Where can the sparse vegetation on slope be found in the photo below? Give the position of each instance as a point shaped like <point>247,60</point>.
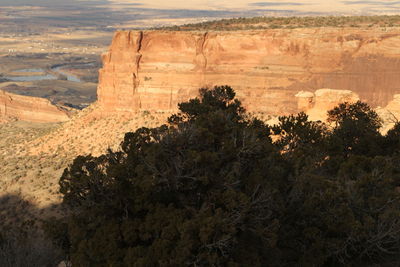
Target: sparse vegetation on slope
<point>24,175</point>
<point>257,23</point>
<point>33,157</point>
<point>28,193</point>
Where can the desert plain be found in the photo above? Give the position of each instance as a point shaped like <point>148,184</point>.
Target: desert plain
<point>53,51</point>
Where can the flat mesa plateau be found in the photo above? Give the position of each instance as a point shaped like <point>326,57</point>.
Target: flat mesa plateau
<point>143,75</point>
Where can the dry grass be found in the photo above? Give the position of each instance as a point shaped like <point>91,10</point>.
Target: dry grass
<point>33,157</point>
<point>24,176</point>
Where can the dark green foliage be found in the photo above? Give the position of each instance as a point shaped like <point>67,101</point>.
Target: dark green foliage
<point>302,141</point>
<point>211,189</point>
<point>201,191</point>
<point>392,140</point>
<point>358,114</point>
<point>355,132</point>
<point>343,207</point>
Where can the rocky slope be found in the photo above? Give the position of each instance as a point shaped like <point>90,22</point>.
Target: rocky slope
<point>28,108</point>
<point>155,70</point>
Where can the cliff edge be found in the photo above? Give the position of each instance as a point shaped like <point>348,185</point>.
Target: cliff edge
<point>155,70</point>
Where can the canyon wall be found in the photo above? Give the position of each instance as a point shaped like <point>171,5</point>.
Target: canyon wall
<point>28,108</point>
<point>155,70</point>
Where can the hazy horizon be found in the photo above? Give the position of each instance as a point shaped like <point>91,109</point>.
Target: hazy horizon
<point>235,7</point>
<point>301,7</point>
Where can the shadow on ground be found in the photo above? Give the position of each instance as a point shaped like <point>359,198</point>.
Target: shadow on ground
<point>22,242</point>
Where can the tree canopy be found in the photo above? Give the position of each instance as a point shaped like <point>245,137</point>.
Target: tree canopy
<point>210,188</point>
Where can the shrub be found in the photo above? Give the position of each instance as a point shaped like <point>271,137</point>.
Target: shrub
<point>210,188</point>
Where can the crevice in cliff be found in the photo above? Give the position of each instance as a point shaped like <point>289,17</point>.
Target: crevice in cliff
<point>137,63</point>
<point>205,37</point>
<point>139,42</point>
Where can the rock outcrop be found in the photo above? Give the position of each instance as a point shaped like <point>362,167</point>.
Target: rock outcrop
<point>390,114</point>
<point>317,104</point>
<point>27,108</point>
<point>155,70</point>
<point>305,100</point>
<point>393,108</point>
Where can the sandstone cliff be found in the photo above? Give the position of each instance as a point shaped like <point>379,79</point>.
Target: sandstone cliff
<point>28,108</point>
<point>155,70</point>
<point>317,104</point>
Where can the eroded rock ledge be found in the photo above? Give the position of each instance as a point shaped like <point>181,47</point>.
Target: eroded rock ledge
<point>27,108</point>
<point>317,104</point>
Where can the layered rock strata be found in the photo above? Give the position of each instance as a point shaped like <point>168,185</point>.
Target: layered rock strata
<point>28,108</point>
<point>155,70</point>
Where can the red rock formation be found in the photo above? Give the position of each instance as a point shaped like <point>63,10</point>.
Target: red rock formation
<point>28,108</point>
<point>317,104</point>
<point>155,70</point>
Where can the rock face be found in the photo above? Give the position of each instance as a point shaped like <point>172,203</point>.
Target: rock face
<point>28,108</point>
<point>155,70</point>
<point>317,104</point>
<point>390,114</point>
<point>305,100</point>
<point>394,107</point>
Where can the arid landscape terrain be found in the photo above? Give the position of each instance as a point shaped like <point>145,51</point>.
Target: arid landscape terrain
<point>74,78</point>
<point>51,49</point>
<point>145,74</point>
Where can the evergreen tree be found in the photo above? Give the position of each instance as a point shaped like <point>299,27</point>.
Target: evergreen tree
<point>200,191</point>
<point>210,188</point>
